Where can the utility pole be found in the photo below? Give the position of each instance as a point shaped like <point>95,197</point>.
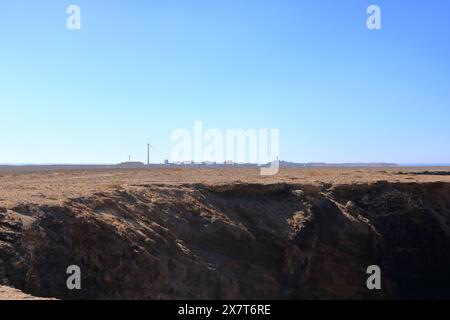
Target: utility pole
<point>149,146</point>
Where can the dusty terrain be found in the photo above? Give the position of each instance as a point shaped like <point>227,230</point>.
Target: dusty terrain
<point>55,186</point>
<point>226,234</point>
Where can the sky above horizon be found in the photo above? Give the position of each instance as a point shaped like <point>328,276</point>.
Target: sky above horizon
<point>138,70</point>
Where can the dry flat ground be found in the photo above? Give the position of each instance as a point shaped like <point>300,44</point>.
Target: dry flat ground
<point>41,186</point>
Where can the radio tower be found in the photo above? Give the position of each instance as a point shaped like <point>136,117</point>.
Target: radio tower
<point>148,153</point>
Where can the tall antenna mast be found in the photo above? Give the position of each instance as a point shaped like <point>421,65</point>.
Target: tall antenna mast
<point>149,145</point>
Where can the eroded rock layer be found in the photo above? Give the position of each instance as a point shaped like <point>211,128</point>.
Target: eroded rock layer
<point>237,241</point>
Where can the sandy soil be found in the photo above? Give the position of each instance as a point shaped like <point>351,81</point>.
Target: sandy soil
<point>8,293</point>
<point>41,186</point>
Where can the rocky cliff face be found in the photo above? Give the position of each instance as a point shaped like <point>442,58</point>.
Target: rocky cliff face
<point>236,241</point>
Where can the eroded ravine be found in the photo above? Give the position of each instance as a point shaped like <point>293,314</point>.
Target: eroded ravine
<point>238,241</point>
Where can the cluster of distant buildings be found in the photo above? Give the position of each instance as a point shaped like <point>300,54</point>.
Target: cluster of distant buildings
<point>229,163</point>
<point>167,163</point>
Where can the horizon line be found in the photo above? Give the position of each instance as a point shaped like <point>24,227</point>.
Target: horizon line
<point>211,163</point>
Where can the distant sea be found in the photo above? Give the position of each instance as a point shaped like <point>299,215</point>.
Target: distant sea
<point>424,164</point>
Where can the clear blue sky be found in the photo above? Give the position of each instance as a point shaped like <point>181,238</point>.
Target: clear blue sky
<point>137,70</point>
